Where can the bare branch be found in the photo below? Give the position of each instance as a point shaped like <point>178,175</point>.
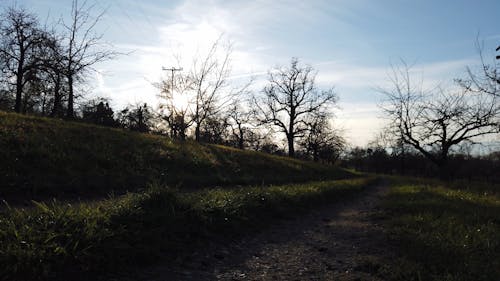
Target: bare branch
<point>290,98</point>
<point>432,121</point>
<point>83,47</point>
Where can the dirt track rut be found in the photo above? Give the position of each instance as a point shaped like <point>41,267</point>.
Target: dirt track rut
<point>338,242</point>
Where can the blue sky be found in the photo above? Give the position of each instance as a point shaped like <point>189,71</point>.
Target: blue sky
<point>351,43</point>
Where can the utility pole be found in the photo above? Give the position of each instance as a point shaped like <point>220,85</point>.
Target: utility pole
<point>172,70</point>
<point>176,128</point>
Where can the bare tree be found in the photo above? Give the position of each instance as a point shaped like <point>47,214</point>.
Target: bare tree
<point>54,73</point>
<point>138,117</point>
<point>201,86</point>
<point>83,47</point>
<point>433,121</point>
<point>215,129</point>
<point>208,78</point>
<point>239,122</point>
<point>322,142</point>
<point>176,116</point>
<point>21,39</point>
<point>290,98</point>
<point>240,116</point>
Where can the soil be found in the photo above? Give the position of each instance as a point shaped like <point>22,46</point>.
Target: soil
<point>339,242</point>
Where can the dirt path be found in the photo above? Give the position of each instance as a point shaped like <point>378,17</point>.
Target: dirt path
<point>340,242</point>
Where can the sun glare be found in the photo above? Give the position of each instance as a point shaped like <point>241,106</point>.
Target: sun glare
<point>180,101</point>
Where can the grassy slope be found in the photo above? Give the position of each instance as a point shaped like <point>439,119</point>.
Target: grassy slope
<point>445,231</point>
<point>52,157</point>
<point>54,241</point>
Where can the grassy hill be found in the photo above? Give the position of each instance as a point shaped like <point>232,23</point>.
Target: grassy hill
<point>49,157</point>
<point>54,240</point>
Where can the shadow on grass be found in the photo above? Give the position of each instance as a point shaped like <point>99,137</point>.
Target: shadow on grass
<point>448,235</point>
<point>206,221</point>
<point>318,244</point>
<point>60,241</point>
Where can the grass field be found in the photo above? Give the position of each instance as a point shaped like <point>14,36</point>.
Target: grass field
<point>444,231</point>
<point>60,241</point>
<point>43,158</point>
<point>143,196</point>
<point>148,197</point>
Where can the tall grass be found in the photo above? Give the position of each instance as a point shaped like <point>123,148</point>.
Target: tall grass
<point>59,241</point>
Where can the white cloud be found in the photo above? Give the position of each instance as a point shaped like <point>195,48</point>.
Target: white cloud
<point>192,26</point>
<point>352,76</point>
<point>359,114</point>
<point>360,121</point>
<point>187,31</point>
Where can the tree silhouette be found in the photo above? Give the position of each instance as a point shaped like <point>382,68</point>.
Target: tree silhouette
<point>21,39</point>
<point>434,121</point>
<point>137,118</point>
<point>99,112</point>
<point>321,142</point>
<point>83,49</point>
<point>239,120</point>
<point>208,77</point>
<point>290,98</point>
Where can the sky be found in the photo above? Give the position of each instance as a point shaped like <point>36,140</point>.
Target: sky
<point>351,43</point>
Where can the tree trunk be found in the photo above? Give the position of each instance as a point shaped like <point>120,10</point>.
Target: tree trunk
<point>182,134</point>
<point>240,142</point>
<point>44,105</point>
<point>56,110</point>
<point>19,87</point>
<point>19,95</point>
<point>315,154</point>
<point>291,149</point>
<point>291,132</point>
<point>197,132</point>
<point>443,163</point>
<point>70,112</point>
<point>241,137</point>
<point>24,105</point>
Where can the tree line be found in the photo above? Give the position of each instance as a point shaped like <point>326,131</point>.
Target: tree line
<point>42,64</point>
<point>386,156</point>
<point>429,126</point>
<point>44,69</point>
